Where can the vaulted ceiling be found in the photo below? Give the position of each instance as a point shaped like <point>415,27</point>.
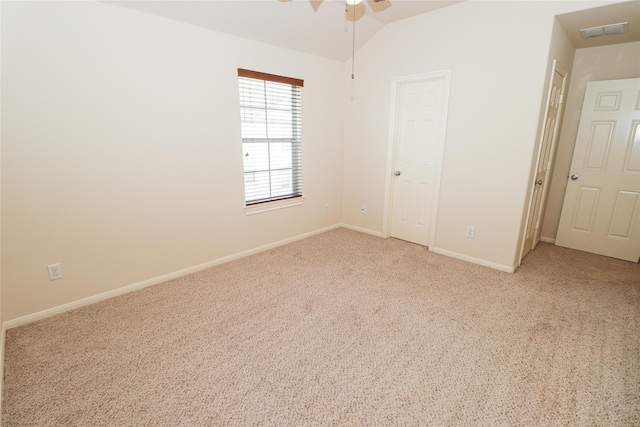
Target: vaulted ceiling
<point>319,27</point>
<point>325,27</point>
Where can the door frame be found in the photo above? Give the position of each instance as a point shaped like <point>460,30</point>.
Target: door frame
<point>396,82</point>
<point>560,69</point>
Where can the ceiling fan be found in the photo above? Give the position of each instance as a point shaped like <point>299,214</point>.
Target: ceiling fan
<point>353,54</point>
<point>316,3</point>
<point>353,3</point>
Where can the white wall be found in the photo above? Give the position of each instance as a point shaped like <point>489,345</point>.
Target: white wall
<point>121,155</point>
<point>498,53</point>
<point>1,323</point>
<point>620,61</point>
<point>120,139</point>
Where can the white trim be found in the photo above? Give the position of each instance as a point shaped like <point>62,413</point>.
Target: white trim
<point>154,281</point>
<point>363,230</point>
<point>548,240</point>
<point>485,263</point>
<point>2,324</point>
<point>272,206</point>
<point>395,83</point>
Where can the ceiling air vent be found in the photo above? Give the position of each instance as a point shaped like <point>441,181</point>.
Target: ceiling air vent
<point>605,30</point>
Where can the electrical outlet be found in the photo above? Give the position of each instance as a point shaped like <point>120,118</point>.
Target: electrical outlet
<point>363,209</point>
<point>326,208</point>
<point>471,231</point>
<point>55,271</point>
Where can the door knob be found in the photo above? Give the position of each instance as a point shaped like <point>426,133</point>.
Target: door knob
<point>539,182</point>
<point>397,173</point>
<point>574,177</point>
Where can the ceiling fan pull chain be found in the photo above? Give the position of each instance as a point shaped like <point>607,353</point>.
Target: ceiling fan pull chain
<point>353,52</point>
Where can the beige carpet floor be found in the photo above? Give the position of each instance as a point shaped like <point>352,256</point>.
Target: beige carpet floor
<point>343,329</point>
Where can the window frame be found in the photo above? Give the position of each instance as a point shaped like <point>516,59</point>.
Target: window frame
<point>296,196</point>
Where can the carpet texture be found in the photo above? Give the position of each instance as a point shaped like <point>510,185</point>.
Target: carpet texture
<point>343,329</point>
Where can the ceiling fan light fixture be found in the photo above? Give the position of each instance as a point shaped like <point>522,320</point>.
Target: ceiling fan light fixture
<point>353,2</point>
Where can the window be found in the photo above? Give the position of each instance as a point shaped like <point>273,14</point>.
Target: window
<point>271,128</point>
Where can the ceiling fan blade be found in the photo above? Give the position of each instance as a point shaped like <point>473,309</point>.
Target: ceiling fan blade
<point>315,4</point>
<point>379,5</point>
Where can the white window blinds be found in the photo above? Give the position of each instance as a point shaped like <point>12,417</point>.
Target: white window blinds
<point>271,128</point>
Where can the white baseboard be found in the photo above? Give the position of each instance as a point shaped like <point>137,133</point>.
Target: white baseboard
<point>362,230</point>
<point>496,266</point>
<point>20,321</point>
<point>548,240</point>
<point>501,267</point>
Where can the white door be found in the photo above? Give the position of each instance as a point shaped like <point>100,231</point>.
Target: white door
<point>419,131</point>
<point>545,158</point>
<point>601,207</point>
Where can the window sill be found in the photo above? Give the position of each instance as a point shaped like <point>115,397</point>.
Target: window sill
<point>272,206</point>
